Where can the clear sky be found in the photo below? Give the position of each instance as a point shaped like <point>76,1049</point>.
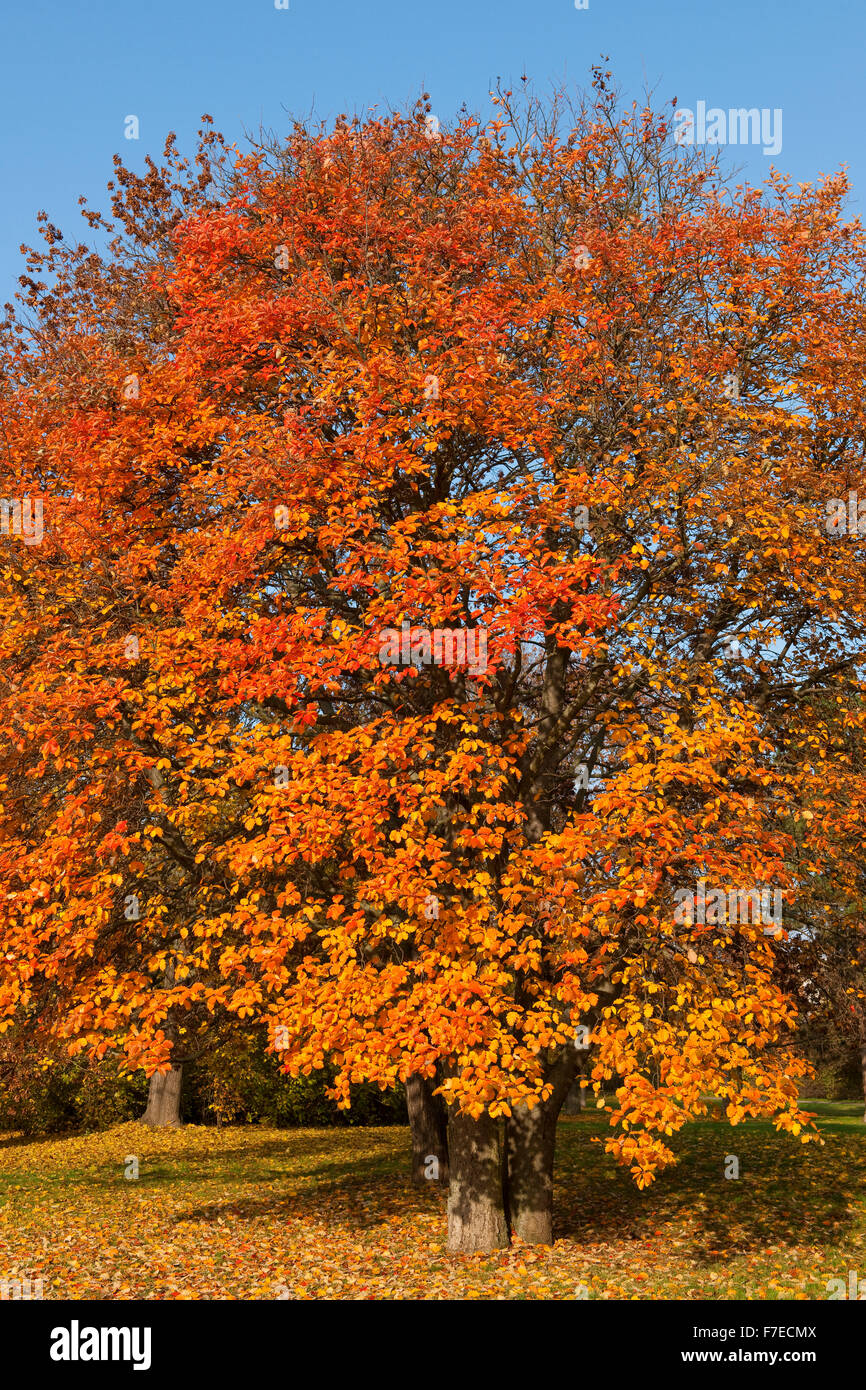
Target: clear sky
<point>75,69</point>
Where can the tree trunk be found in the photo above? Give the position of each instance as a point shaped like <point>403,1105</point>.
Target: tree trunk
<point>163,1096</point>
<point>530,1143</point>
<point>163,1099</point>
<point>863,1073</point>
<point>575,1101</point>
<point>428,1126</point>
<point>476,1212</point>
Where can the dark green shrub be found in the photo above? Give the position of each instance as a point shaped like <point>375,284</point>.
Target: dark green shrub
<point>45,1092</point>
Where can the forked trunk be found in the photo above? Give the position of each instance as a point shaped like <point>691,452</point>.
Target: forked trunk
<point>163,1099</point>
<point>476,1212</point>
<point>428,1126</point>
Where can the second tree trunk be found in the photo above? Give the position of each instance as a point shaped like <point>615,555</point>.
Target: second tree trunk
<point>530,1139</point>
<point>530,1145</point>
<point>428,1126</point>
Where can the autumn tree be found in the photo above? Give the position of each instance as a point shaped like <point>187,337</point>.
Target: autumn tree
<point>823,960</point>
<point>493,564</point>
<point>98,878</point>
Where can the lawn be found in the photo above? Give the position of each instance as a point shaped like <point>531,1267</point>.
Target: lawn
<point>248,1213</point>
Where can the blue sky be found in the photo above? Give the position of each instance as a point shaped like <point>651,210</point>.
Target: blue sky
<point>73,72</point>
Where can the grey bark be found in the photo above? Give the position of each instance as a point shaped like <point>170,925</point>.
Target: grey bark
<point>530,1143</point>
<point>163,1099</point>
<point>428,1127</point>
<point>575,1101</point>
<point>476,1211</point>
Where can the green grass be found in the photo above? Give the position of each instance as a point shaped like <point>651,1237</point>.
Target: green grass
<point>244,1212</point>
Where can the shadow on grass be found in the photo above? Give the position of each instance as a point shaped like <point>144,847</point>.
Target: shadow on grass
<point>17,1141</point>
<point>787,1193</point>
<point>352,1202</point>
<point>305,1155</point>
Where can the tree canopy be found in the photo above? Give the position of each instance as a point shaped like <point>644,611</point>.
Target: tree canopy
<point>436,591</point>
